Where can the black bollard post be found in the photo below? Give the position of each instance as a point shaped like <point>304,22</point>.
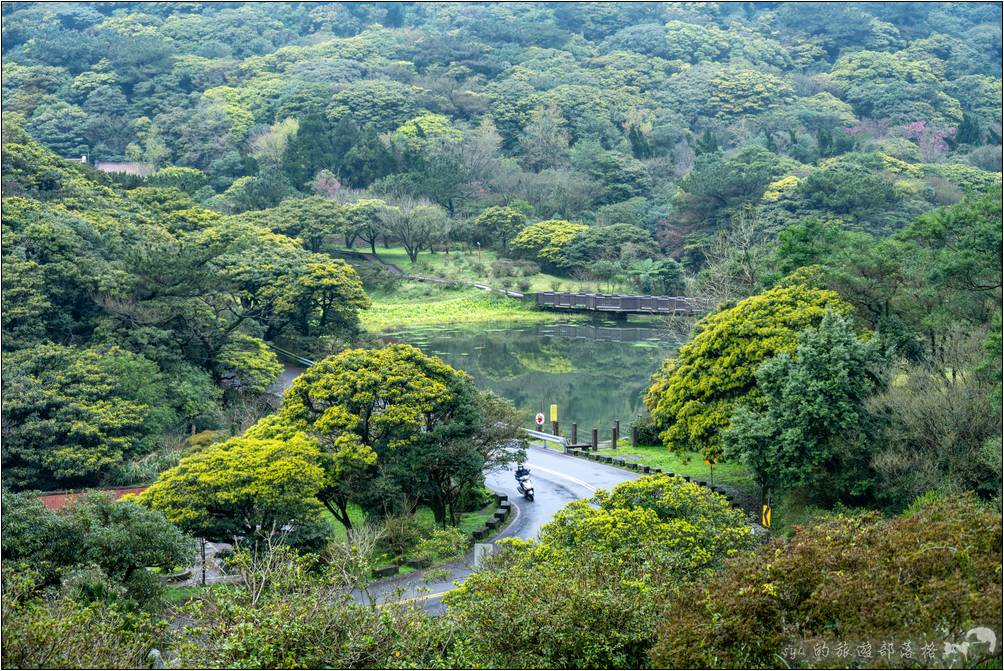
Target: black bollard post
<point>617,427</point>
<point>613,438</point>
<point>575,433</point>
<point>596,442</point>
<point>554,429</point>
<point>634,436</point>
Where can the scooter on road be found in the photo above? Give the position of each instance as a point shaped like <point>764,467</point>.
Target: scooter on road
<point>523,483</point>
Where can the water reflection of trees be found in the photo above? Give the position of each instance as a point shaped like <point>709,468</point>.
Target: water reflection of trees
<point>594,381</point>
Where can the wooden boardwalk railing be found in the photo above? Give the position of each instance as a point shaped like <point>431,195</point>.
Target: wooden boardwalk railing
<point>663,305</point>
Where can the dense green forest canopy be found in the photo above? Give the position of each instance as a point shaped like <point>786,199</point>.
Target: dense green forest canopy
<point>666,116</point>
<point>182,182</point>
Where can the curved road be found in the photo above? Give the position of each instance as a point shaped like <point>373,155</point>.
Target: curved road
<point>557,478</point>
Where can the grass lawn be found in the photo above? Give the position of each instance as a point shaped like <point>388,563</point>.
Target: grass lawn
<point>689,464</point>
<point>418,304</point>
<point>180,595</point>
<point>791,510</point>
<point>464,266</point>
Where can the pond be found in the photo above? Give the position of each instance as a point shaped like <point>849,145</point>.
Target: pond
<point>595,372</point>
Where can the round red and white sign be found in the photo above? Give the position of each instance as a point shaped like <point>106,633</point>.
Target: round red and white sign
<point>540,419</point>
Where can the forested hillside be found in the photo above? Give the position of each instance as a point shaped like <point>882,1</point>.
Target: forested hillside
<point>670,117</point>
<point>220,220</point>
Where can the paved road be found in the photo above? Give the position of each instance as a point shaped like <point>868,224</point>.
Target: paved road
<point>558,479</point>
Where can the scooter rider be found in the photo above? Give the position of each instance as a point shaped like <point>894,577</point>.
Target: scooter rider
<point>522,472</point>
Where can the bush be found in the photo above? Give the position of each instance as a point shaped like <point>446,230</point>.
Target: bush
<point>589,592</point>
<point>65,633</point>
<point>101,546</point>
<point>936,428</point>
<point>401,533</point>
<point>647,430</point>
<point>930,576</point>
<point>295,617</point>
<point>524,285</point>
<point>447,543</point>
<point>514,268</point>
<point>205,438</point>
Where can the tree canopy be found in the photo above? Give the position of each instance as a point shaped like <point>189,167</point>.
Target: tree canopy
<point>694,394</point>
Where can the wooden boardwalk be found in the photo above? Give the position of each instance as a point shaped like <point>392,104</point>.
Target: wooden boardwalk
<point>623,305</point>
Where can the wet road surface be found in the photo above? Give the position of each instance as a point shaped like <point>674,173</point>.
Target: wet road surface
<point>558,479</point>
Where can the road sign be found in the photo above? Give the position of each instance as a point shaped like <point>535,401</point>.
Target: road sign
<point>540,419</point>
<point>765,515</point>
<point>554,412</point>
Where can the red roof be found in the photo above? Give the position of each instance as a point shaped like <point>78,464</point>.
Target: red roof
<point>57,500</point>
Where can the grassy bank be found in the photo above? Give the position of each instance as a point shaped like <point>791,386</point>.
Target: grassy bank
<point>469,266</point>
<point>790,511</point>
<point>418,304</point>
<point>690,464</point>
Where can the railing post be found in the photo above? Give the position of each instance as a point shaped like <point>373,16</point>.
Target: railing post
<point>596,442</point>
<point>613,438</point>
<point>634,435</point>
<point>575,433</point>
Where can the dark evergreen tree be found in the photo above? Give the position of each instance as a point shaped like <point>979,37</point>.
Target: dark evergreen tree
<point>708,144</point>
<point>969,131</point>
<point>367,161</point>
<point>641,148</point>
<point>311,150</point>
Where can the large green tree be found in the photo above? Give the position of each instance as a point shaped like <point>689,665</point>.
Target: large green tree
<point>242,489</point>
<point>812,431</point>
<point>396,427</point>
<point>693,396</point>
<point>71,414</point>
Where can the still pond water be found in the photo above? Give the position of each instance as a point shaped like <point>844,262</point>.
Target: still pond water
<point>596,373</point>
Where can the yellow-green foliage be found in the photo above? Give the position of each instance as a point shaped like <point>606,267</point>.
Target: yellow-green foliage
<point>604,566</point>
<point>427,129</point>
<point>692,397</point>
<point>241,487</point>
<point>736,93</point>
<point>546,239</point>
<point>971,180</point>
<point>779,187</point>
<point>357,396</point>
<point>204,438</point>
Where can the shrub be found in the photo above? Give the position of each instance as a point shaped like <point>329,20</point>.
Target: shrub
<point>61,632</point>
<point>929,576</point>
<point>445,543</point>
<point>647,430</point>
<point>401,533</point>
<point>205,438</point>
<point>103,545</point>
<point>524,285</point>
<point>284,614</point>
<point>589,592</point>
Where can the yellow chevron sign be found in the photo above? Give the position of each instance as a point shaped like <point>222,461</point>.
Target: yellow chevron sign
<point>765,515</point>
